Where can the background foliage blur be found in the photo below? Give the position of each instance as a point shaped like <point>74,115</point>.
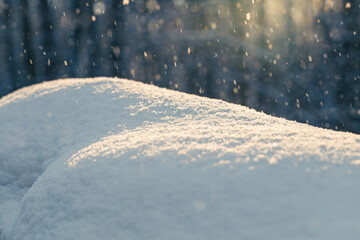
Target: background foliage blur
<point>290,58</point>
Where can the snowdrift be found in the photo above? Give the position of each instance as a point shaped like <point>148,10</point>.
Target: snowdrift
<point>117,159</point>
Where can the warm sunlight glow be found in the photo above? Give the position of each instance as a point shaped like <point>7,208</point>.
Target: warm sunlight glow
<point>301,13</point>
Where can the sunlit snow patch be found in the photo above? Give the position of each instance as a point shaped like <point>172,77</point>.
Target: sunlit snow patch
<point>111,158</point>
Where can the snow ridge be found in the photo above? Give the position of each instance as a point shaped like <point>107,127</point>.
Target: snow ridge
<point>102,158</point>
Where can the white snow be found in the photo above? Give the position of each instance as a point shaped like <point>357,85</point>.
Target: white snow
<point>117,159</point>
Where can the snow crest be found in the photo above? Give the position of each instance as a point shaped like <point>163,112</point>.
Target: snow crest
<point>112,158</point>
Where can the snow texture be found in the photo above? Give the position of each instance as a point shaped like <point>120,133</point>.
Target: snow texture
<point>117,159</point>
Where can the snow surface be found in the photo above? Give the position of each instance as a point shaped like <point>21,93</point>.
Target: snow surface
<point>117,159</point>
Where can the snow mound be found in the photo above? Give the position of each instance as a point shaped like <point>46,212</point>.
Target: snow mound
<point>117,159</point>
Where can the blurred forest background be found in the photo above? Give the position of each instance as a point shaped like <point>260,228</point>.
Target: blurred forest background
<point>290,58</point>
